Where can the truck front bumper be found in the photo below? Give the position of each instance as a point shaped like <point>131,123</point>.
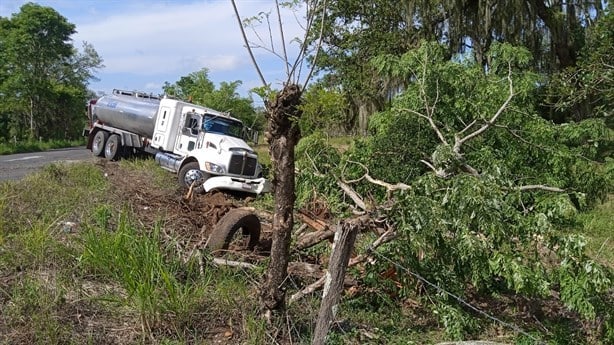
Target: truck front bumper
<point>256,186</point>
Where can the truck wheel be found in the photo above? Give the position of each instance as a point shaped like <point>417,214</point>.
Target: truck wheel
<point>112,148</point>
<point>100,139</point>
<point>191,173</point>
<point>225,229</point>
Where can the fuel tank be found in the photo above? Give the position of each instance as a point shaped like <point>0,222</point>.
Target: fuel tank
<point>131,111</point>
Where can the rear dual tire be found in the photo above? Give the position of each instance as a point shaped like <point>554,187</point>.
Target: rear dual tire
<point>100,139</point>
<point>113,148</point>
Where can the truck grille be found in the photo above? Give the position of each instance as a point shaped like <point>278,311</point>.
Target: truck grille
<point>242,165</point>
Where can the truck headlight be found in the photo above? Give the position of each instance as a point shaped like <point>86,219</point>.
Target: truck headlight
<point>218,169</point>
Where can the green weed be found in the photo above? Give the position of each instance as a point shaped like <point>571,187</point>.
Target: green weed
<point>151,278</point>
<point>597,227</point>
<point>32,315</point>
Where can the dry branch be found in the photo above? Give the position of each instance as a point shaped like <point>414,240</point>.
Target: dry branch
<point>249,49</point>
<point>353,195</point>
<point>313,238</point>
<point>540,187</point>
<point>231,263</point>
<point>313,223</point>
<point>386,237</point>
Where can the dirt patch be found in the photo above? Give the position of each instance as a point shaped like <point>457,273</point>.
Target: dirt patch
<point>188,221</point>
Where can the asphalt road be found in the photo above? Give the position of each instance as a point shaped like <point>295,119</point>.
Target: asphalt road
<point>14,167</point>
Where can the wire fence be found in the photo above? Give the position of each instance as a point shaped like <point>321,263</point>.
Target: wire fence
<point>457,298</point>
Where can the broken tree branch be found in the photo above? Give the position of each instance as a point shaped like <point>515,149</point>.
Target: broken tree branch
<point>390,187</point>
<point>313,238</point>
<point>349,191</point>
<point>540,187</point>
<point>386,237</point>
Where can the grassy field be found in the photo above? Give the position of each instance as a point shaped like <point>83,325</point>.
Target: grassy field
<point>37,146</point>
<point>99,253</point>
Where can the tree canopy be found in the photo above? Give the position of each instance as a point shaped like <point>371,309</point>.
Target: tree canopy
<point>43,77</point>
<point>476,188</point>
<point>199,89</point>
<point>554,32</point>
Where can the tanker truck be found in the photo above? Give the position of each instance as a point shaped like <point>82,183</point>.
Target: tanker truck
<point>204,147</point>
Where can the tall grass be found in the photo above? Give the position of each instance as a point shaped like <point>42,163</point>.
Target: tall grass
<point>144,270</point>
<point>597,226</point>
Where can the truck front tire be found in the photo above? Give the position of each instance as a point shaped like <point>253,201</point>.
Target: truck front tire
<point>112,148</point>
<point>100,139</point>
<point>191,173</point>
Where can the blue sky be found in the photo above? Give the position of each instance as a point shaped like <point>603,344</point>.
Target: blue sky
<point>146,42</point>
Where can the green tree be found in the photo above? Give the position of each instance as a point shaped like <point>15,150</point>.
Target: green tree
<point>199,89</point>
<point>587,89</point>
<point>487,189</point>
<point>43,78</point>
<point>324,109</point>
<point>356,31</point>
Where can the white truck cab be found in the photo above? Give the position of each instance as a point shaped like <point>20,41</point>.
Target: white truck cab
<point>205,147</point>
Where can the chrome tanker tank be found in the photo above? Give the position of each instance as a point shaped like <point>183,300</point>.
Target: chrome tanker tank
<point>131,111</point>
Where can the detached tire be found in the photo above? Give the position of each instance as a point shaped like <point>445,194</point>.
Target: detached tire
<point>100,140</point>
<point>225,229</point>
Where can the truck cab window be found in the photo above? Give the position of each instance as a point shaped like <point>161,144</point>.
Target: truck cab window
<point>222,125</point>
<point>191,125</point>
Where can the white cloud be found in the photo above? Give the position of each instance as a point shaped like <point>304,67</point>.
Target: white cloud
<point>153,41</point>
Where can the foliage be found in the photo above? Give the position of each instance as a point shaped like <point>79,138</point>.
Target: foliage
<point>143,269</point>
<point>323,110</point>
<point>357,31</point>
<point>476,220</point>
<point>199,89</point>
<point>316,165</point>
<point>43,78</point>
<point>587,90</point>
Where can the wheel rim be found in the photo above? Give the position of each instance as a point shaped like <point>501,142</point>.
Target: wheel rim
<point>110,149</point>
<point>192,175</point>
<point>97,143</point>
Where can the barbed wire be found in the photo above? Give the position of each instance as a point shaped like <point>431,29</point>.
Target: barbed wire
<point>456,297</point>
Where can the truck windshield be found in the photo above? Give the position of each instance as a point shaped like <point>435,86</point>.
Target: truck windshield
<point>222,125</point>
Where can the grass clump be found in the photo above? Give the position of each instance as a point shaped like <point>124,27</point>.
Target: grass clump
<point>157,284</point>
<point>58,193</point>
<point>596,225</point>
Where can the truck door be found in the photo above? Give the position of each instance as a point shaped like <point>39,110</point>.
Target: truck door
<point>189,132</point>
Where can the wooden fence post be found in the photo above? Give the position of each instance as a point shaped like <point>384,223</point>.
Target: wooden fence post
<point>345,235</point>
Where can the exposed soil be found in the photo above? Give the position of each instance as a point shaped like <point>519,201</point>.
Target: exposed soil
<point>187,220</point>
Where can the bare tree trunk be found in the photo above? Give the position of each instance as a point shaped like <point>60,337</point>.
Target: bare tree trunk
<point>558,31</point>
<point>282,134</point>
<point>337,266</point>
<point>363,118</point>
